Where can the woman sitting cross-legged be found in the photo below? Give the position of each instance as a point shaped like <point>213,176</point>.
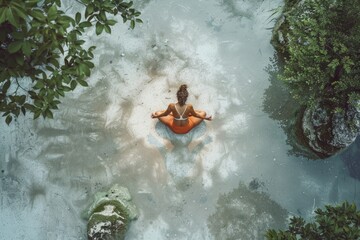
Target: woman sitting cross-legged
<point>181,117</point>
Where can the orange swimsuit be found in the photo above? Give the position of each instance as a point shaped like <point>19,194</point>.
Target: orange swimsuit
<point>180,129</point>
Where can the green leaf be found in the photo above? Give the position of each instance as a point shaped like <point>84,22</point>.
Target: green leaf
<point>60,92</point>
<point>61,49</point>
<point>66,20</point>
<point>132,24</point>
<point>38,103</point>
<point>107,28</point>
<point>89,10</point>
<point>85,24</point>
<point>111,22</point>
<point>36,13</point>
<point>102,16</point>
<point>26,48</point>
<point>11,18</point>
<point>6,86</point>
<point>99,28</point>
<point>50,69</point>
<point>49,114</point>
<point>139,20</point>
<point>73,84</point>
<point>8,119</point>
<point>89,64</point>
<point>92,48</point>
<point>77,17</point>
<point>52,12</point>
<point>67,89</point>
<point>79,42</point>
<point>37,114</point>
<point>3,14</point>
<point>54,62</point>
<point>22,99</point>
<point>82,83</point>
<point>20,11</point>
<point>39,85</point>
<point>14,46</point>
<point>30,107</point>
<point>84,69</point>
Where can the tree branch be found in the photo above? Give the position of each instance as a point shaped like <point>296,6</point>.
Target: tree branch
<point>17,82</point>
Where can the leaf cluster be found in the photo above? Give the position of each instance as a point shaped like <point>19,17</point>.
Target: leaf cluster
<point>42,53</point>
<point>335,222</point>
<point>322,42</point>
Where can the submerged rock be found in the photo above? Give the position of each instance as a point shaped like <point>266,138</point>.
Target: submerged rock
<point>328,132</point>
<point>110,214</point>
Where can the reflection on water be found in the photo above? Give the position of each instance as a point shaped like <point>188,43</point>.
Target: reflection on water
<point>245,214</point>
<point>351,158</point>
<point>280,106</point>
<point>104,135</point>
<point>185,149</point>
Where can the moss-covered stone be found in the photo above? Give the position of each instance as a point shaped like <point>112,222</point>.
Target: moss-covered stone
<point>329,132</point>
<point>110,214</point>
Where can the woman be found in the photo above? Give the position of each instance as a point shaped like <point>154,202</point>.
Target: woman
<point>181,117</point>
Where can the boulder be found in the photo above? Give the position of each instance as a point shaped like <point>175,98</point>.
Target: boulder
<point>328,132</point>
<point>110,214</point>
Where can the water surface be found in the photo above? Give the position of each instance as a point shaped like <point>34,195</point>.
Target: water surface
<point>231,178</point>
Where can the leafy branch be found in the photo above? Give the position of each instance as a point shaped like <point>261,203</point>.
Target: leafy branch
<point>42,46</point>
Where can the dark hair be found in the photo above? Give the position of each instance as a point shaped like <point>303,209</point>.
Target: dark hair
<point>182,94</point>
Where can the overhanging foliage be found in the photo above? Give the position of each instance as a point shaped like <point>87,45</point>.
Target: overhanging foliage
<point>320,50</point>
<point>41,50</point>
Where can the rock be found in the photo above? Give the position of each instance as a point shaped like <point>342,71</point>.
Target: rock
<point>110,214</point>
<point>327,132</point>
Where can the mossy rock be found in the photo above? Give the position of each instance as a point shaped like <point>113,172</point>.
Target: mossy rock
<point>110,214</point>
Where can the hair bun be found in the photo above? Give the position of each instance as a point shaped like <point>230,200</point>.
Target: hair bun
<point>183,87</point>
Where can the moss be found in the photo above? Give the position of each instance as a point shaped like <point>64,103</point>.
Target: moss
<point>105,223</point>
<point>118,226</point>
<point>119,208</point>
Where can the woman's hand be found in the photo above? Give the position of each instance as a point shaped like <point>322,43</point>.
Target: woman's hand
<point>153,115</point>
<point>208,118</point>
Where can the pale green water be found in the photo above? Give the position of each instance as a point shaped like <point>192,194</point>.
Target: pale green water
<point>188,187</point>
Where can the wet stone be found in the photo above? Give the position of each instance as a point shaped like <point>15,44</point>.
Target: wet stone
<point>110,214</point>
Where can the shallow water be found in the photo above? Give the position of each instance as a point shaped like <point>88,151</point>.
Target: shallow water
<point>231,178</point>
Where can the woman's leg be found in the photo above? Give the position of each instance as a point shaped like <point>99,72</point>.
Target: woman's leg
<point>196,121</point>
<point>167,120</point>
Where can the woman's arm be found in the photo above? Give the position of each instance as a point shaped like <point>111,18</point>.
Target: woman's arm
<point>195,114</point>
<point>167,112</point>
